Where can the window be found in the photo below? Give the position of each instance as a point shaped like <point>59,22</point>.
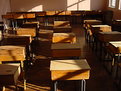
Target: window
<point>112,3</point>
<point>120,5</point>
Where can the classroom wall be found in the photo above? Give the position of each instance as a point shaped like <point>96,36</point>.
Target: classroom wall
<point>4,7</point>
<point>46,5</point>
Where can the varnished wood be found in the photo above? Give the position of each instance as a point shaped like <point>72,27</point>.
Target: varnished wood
<point>115,46</point>
<point>22,40</point>
<point>100,28</point>
<point>109,36</point>
<point>26,31</point>
<point>9,73</point>
<point>64,37</point>
<point>69,69</point>
<point>12,53</point>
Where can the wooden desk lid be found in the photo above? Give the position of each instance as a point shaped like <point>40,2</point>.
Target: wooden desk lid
<point>113,32</point>
<point>65,46</point>
<point>116,43</point>
<point>69,65</point>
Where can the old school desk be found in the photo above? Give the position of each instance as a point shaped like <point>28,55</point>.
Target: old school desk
<point>70,70</point>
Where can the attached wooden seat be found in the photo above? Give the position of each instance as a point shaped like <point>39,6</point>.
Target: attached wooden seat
<point>61,50</point>
<point>63,38</point>
<point>9,74</point>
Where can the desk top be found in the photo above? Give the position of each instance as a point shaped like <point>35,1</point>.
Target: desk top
<point>17,39</point>
<point>69,69</point>
<point>109,36</point>
<point>116,43</point>
<point>100,26</point>
<point>69,65</point>
<point>64,34</point>
<point>12,53</point>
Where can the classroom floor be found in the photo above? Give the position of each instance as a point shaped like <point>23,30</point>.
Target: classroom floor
<point>39,79</point>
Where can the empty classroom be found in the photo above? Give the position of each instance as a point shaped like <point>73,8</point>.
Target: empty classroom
<point>60,45</point>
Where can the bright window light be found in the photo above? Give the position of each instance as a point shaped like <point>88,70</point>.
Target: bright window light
<point>120,5</point>
<point>112,3</point>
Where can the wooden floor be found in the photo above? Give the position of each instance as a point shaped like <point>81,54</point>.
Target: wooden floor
<point>38,76</point>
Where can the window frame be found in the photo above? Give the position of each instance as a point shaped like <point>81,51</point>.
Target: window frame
<point>119,7</point>
<point>112,4</point>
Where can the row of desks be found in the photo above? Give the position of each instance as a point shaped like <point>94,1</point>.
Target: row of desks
<point>107,43</point>
<point>71,70</point>
<point>14,50</point>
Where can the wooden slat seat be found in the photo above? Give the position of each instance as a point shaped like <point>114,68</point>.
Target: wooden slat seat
<point>63,37</point>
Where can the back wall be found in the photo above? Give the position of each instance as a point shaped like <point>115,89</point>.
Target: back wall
<point>50,5</point>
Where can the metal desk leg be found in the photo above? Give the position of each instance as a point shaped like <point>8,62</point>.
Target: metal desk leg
<point>22,65</point>
<point>83,85</point>
<point>55,86</point>
<point>13,26</point>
